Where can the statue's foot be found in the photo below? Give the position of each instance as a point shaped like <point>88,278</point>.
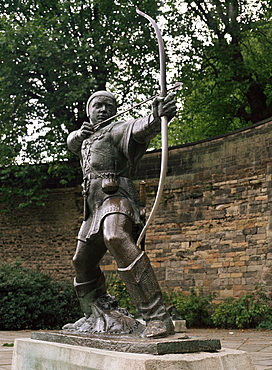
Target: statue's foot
<point>106,321</point>
<point>76,325</point>
<point>158,329</point>
<point>115,322</point>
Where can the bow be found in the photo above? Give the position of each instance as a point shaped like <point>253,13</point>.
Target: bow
<point>164,126</point>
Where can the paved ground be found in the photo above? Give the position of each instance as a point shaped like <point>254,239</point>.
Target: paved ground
<point>258,344</point>
<point>6,339</point>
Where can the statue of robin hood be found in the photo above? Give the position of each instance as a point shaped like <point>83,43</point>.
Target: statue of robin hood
<point>108,152</point>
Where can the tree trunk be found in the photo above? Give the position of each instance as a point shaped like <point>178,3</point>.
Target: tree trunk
<point>257,101</point>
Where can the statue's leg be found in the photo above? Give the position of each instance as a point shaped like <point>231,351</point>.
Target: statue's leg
<point>89,281</point>
<point>136,271</point>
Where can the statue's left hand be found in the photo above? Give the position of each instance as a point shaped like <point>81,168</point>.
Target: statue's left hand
<point>165,106</point>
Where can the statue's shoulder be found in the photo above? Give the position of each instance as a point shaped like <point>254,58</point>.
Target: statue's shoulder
<point>118,124</point>
<point>121,131</point>
<point>121,126</point>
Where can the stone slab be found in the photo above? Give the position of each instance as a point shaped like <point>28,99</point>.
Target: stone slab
<point>30,354</point>
<point>178,343</point>
<point>180,325</point>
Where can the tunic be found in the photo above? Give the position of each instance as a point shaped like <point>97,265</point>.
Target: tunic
<point>107,159</point>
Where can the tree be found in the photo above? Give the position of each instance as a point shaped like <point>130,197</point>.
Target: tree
<point>222,53</point>
<point>53,55</point>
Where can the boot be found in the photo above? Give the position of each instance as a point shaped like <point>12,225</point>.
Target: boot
<point>88,292</point>
<point>146,294</point>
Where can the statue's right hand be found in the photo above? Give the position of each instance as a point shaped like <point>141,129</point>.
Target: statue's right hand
<point>85,130</point>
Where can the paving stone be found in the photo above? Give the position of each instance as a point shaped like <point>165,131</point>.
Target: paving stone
<point>263,338</point>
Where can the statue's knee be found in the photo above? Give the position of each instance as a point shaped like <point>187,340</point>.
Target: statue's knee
<point>79,260</point>
<point>112,239</point>
<point>80,255</point>
<point>76,261</point>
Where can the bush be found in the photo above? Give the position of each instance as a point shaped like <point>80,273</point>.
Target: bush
<point>117,288</point>
<point>196,308</point>
<point>249,311</point>
<point>30,299</point>
<point>266,324</point>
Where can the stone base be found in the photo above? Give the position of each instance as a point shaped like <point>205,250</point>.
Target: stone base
<point>180,325</point>
<point>178,343</point>
<point>30,354</point>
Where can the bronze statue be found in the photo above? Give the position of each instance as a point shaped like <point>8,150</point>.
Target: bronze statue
<point>108,152</point>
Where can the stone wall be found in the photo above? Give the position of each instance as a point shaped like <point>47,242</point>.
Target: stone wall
<point>43,236</point>
<point>213,229</point>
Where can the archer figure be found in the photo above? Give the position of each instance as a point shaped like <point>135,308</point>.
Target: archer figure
<point>108,152</point>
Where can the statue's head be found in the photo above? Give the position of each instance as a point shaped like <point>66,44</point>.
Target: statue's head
<point>100,106</point>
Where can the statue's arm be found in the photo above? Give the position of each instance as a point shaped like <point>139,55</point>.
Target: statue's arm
<point>76,138</point>
<point>144,129</point>
<point>74,142</point>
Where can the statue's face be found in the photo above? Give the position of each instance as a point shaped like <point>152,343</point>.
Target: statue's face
<point>101,108</point>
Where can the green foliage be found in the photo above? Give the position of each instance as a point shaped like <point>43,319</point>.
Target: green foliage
<point>30,299</point>
<point>266,324</point>
<point>117,288</point>
<point>196,308</point>
<point>221,51</point>
<point>249,311</point>
<point>252,310</point>
<point>65,171</point>
<point>54,54</point>
<point>28,184</point>
<point>21,186</point>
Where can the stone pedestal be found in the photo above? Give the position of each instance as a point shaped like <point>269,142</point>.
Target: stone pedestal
<point>180,325</point>
<point>178,343</point>
<point>31,354</point>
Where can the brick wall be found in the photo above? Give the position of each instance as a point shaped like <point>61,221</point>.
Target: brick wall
<point>213,229</point>
<point>44,236</point>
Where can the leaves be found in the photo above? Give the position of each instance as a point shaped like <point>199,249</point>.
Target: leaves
<point>30,299</point>
<point>248,311</point>
<point>196,308</point>
<point>222,57</point>
<point>53,55</point>
<point>117,288</point>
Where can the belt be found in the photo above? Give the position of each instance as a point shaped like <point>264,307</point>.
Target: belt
<point>100,175</point>
<point>103,175</point>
